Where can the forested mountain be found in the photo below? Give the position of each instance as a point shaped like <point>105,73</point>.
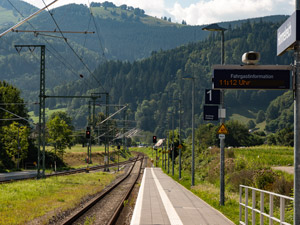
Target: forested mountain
<point>152,86</point>
<point>125,38</point>
<point>8,14</point>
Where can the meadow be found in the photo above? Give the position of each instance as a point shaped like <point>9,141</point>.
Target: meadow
<point>24,201</point>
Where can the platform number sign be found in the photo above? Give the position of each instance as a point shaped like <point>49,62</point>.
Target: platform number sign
<point>212,97</point>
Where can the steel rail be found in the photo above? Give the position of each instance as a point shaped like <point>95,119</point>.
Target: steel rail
<point>82,211</point>
<point>74,171</point>
<point>117,213</point>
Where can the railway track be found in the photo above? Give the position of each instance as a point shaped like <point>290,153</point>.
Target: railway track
<point>105,208</point>
<point>73,171</point>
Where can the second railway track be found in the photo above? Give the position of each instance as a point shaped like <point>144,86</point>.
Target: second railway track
<point>106,207</point>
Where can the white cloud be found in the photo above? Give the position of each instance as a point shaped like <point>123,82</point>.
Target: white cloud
<point>205,12</point>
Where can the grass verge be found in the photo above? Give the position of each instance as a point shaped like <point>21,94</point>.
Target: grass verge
<point>23,201</point>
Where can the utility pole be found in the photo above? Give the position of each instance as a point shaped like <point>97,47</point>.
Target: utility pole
<point>124,131</point>
<point>165,153</point>
<point>106,135</point>
<point>173,146</point>
<point>180,136</point>
<point>297,130</point>
<point>216,27</point>
<point>42,120</point>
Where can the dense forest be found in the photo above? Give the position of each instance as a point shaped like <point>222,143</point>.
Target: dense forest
<point>152,86</point>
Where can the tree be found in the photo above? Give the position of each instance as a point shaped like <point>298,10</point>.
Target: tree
<point>63,116</point>
<point>124,7</point>
<point>12,107</point>
<point>15,142</point>
<point>251,124</point>
<point>260,116</point>
<point>285,137</point>
<point>59,135</point>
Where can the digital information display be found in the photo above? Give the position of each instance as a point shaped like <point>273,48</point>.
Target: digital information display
<point>251,77</point>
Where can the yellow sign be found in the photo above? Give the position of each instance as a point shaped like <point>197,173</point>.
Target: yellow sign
<point>180,146</point>
<point>222,129</point>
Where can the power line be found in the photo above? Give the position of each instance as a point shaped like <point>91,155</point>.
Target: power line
<point>20,117</point>
<point>72,49</point>
<point>26,19</point>
<point>50,45</point>
<point>98,33</point>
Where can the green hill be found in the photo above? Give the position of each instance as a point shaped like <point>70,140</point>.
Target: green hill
<point>149,85</point>
<point>149,55</point>
<point>8,14</point>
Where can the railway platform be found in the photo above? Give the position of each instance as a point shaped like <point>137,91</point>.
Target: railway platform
<point>17,175</point>
<point>161,200</point>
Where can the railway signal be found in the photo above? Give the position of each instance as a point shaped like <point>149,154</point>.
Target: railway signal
<point>154,139</point>
<point>88,133</point>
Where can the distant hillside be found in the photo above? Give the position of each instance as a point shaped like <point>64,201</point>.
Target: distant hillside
<point>9,16</point>
<point>151,84</point>
<point>149,54</point>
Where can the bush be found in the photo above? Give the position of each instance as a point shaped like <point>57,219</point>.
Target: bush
<point>283,186</point>
<point>260,116</point>
<point>244,177</point>
<point>240,164</point>
<point>251,124</point>
<point>264,179</point>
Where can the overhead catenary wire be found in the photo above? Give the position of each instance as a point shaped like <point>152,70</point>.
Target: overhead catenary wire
<point>49,45</point>
<point>72,49</point>
<point>98,32</point>
<point>26,19</point>
<point>20,117</point>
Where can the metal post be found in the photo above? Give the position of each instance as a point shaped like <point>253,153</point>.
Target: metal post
<point>118,158</point>
<point>165,153</point>
<point>193,133</point>
<point>173,147</point>
<point>162,155</point>
<point>108,122</point>
<point>297,130</point>
<point>106,131</point>
<point>89,141</point>
<point>168,154</point>
<point>19,148</point>
<point>124,130</point>
<point>180,136</point>
<point>222,141</point>
<point>216,27</point>
<point>156,157</point>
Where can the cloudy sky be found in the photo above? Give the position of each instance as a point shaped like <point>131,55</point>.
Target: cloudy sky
<point>198,12</point>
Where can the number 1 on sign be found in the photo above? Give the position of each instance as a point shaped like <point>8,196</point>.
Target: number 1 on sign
<point>210,95</point>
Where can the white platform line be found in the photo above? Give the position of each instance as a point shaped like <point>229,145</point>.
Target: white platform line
<point>171,212</point>
<point>136,217</point>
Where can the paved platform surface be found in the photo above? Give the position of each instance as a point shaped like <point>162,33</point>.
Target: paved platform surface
<point>161,200</point>
<point>17,175</point>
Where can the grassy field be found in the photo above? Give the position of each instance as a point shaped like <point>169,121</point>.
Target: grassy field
<point>267,155</point>
<point>243,119</point>
<point>24,201</point>
<point>7,16</point>
<point>48,113</point>
<point>76,156</point>
<point>79,148</point>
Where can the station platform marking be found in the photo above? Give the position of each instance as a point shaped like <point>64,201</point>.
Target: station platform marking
<point>172,214</point>
<point>161,200</point>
